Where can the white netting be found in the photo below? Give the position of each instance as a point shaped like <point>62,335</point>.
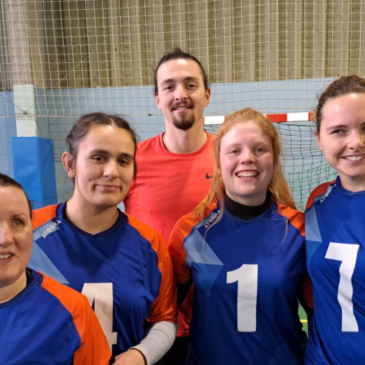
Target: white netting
<point>61,59</point>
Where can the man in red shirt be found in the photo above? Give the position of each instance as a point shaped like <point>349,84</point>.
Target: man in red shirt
<point>174,168</point>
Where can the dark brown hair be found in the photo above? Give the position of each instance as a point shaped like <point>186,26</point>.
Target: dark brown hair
<point>178,54</point>
<point>83,124</point>
<point>342,86</point>
<point>6,180</point>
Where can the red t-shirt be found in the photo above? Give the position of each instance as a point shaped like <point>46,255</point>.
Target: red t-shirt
<point>168,186</point>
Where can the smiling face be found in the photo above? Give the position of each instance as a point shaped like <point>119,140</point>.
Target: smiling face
<point>104,166</point>
<point>15,237</point>
<point>246,163</point>
<point>342,138</point>
<point>181,96</point>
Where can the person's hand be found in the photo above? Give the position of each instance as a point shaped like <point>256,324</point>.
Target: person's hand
<point>130,357</point>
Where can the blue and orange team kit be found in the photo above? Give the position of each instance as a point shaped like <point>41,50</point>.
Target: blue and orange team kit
<point>335,235</point>
<point>48,323</point>
<point>125,271</point>
<point>248,276</point>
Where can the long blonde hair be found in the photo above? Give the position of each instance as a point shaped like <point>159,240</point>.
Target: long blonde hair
<point>278,186</point>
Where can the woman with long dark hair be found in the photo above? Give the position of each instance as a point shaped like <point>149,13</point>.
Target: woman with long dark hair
<point>335,229</point>
<point>120,264</point>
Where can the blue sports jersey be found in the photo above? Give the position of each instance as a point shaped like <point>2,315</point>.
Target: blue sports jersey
<point>125,271</point>
<point>335,236</point>
<point>48,324</point>
<point>247,276</point>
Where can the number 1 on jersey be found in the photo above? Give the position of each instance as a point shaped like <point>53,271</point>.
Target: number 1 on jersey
<point>246,276</point>
<point>347,254</point>
<point>101,294</point>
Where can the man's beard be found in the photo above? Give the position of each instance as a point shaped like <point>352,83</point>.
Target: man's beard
<point>184,123</point>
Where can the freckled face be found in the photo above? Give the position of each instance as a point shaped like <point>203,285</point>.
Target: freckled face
<point>104,166</point>
<point>181,96</point>
<point>247,163</point>
<point>342,138</point>
<point>15,235</point>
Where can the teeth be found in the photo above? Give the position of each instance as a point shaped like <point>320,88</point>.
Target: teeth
<point>247,174</point>
<point>355,158</point>
<point>5,256</point>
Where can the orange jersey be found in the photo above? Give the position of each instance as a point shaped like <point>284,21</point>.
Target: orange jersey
<point>125,272</point>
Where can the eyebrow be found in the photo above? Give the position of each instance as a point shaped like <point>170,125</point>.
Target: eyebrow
<point>189,78</point>
<point>107,153</point>
<point>255,144</point>
<point>339,126</point>
<point>18,215</point>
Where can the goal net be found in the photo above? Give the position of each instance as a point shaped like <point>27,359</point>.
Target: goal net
<point>304,165</point>
<point>61,59</point>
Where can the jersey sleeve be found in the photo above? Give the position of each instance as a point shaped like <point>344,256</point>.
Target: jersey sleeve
<point>319,190</point>
<point>296,219</point>
<point>43,215</point>
<point>178,234</point>
<point>94,348</point>
<point>164,308</point>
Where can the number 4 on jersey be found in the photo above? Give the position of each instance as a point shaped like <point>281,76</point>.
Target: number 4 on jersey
<point>347,253</point>
<point>101,294</point>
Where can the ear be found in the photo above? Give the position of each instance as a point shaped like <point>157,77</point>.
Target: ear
<point>207,97</point>
<point>318,140</point>
<point>69,165</point>
<point>157,101</point>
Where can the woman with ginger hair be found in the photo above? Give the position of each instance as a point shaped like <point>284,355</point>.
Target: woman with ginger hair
<point>243,248</point>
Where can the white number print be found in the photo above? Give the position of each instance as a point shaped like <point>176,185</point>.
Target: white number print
<point>102,295</point>
<point>347,253</point>
<point>246,276</point>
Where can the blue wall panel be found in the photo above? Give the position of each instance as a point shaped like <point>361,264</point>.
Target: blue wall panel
<point>7,131</point>
<point>34,169</point>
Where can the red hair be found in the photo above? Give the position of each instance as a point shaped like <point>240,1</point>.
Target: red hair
<point>278,186</point>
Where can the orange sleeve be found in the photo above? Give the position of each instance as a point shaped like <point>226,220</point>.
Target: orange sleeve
<point>164,308</point>
<point>296,219</point>
<point>43,215</point>
<point>319,190</point>
<point>178,234</point>
<point>94,349</point>
<point>181,230</point>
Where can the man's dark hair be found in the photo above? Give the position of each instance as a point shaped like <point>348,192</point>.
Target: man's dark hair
<point>178,54</point>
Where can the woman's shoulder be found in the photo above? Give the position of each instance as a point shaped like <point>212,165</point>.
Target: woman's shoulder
<point>150,234</point>
<point>295,217</point>
<point>43,215</point>
<point>145,230</point>
<point>319,190</point>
